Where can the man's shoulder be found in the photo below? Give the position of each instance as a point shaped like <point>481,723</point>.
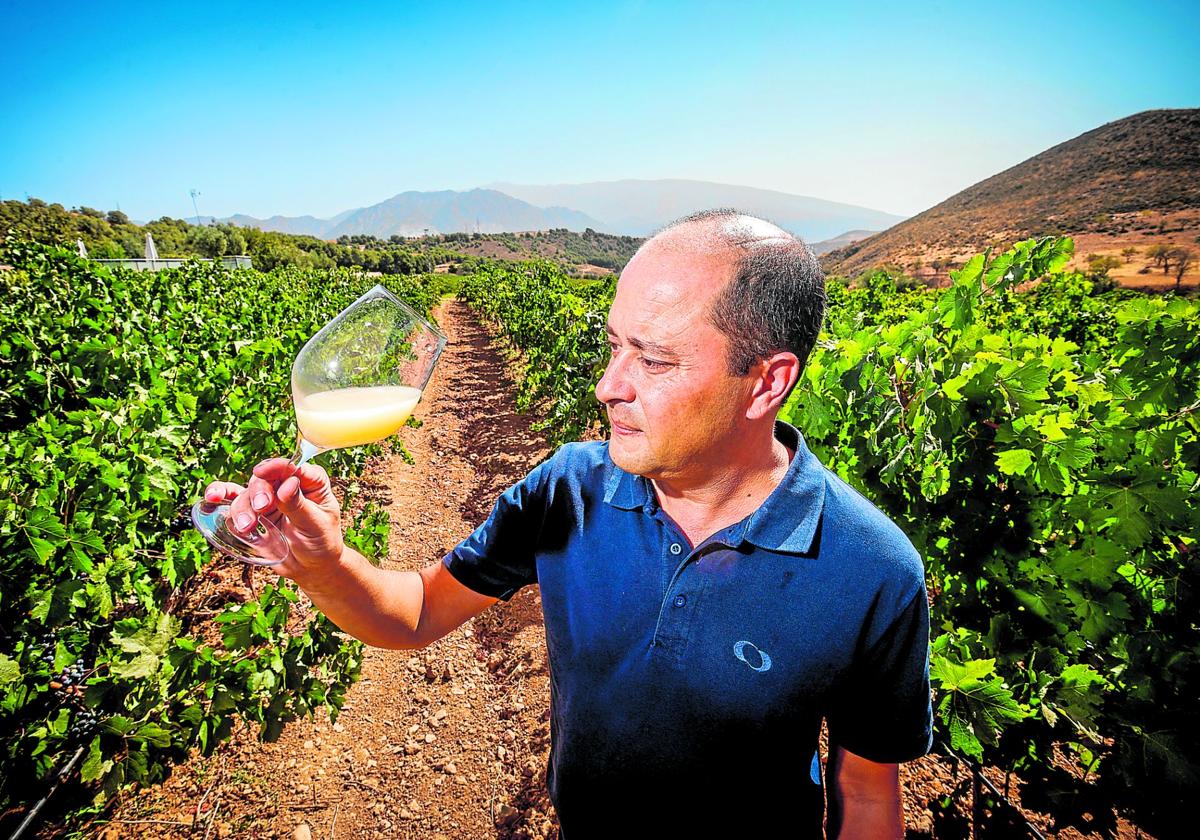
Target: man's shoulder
<point>582,464</point>
<point>579,456</point>
<point>858,529</point>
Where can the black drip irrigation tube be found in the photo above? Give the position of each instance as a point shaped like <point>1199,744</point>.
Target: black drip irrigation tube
<point>62,777</point>
<point>978,779</point>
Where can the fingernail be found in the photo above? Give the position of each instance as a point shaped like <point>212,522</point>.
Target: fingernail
<point>261,501</point>
<point>244,520</point>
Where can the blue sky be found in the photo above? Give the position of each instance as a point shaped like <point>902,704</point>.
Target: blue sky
<point>315,108</point>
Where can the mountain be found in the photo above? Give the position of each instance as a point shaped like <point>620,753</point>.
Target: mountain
<point>841,241</point>
<point>302,225</point>
<point>638,208</point>
<point>1125,184</point>
<point>413,213</point>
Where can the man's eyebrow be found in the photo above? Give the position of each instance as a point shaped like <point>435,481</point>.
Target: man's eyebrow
<point>649,346</point>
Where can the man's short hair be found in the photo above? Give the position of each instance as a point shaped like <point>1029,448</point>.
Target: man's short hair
<point>775,300</point>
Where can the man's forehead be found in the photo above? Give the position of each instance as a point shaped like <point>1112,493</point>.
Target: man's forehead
<point>664,305</point>
<point>668,283</point>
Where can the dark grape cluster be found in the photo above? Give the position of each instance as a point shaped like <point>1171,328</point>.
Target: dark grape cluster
<point>47,642</point>
<point>182,521</point>
<point>85,723</point>
<point>73,674</point>
<point>68,687</point>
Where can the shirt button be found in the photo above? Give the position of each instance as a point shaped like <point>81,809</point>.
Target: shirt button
<point>676,548</point>
<point>680,600</point>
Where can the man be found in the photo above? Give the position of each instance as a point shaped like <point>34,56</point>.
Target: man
<point>711,591</point>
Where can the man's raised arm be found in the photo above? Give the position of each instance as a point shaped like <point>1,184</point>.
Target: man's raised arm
<point>383,607</point>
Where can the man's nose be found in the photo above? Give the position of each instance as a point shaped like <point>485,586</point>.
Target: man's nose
<point>614,385</point>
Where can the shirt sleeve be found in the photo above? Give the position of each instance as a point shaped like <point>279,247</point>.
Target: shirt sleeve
<point>884,711</point>
<point>500,556</point>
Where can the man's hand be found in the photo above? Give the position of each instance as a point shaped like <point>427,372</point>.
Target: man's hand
<point>300,501</point>
<point>864,798</point>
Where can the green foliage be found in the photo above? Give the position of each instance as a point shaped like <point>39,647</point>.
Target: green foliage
<point>1040,448</point>
<point>115,237</point>
<point>559,328</point>
<point>121,395</point>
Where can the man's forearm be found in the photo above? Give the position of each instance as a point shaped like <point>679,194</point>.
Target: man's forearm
<point>865,819</point>
<point>382,607</point>
<point>864,798</point>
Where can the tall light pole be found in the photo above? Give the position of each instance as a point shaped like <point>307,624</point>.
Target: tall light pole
<point>193,193</point>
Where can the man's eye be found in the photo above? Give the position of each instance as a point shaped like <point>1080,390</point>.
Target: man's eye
<point>656,365</point>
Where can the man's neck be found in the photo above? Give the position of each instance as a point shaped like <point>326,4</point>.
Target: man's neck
<point>729,492</point>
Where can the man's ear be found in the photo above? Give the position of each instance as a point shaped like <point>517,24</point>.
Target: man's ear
<point>773,379</point>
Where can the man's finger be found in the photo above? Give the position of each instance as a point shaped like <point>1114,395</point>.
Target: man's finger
<point>261,494</point>
<point>275,470</point>
<point>258,498</point>
<point>218,492</point>
<point>314,481</point>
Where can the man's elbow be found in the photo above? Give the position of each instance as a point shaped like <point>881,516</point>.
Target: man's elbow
<point>390,641</point>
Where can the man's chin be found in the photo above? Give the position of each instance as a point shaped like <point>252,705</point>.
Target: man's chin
<point>618,450</point>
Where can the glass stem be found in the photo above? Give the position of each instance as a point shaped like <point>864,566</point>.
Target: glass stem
<point>304,451</point>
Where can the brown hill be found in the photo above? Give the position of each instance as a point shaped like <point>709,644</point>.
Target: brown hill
<point>1128,183</point>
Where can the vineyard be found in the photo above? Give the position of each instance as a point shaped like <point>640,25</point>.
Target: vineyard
<point>1039,442</point>
<point>1041,448</point>
<point>121,395</point>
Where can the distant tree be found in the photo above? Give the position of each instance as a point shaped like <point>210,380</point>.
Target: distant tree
<point>1161,254</point>
<point>207,241</point>
<point>1129,253</point>
<point>36,202</point>
<point>235,243</point>
<point>170,239</point>
<point>1183,261</point>
<point>1101,264</point>
<point>132,245</point>
<point>106,249</point>
<point>92,229</point>
<point>116,217</point>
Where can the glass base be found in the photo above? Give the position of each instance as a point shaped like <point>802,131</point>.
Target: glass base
<point>263,546</point>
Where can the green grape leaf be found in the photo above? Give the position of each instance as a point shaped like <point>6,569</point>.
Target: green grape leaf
<point>95,765</point>
<point>1014,461</point>
<point>10,670</point>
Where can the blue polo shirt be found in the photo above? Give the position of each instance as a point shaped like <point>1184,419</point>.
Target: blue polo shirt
<point>688,683</point>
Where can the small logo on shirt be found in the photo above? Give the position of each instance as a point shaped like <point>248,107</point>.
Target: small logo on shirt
<point>756,659</point>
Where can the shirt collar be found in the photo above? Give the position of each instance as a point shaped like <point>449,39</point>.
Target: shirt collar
<point>786,521</point>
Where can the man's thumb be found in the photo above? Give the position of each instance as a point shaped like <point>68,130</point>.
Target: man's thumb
<point>303,512</point>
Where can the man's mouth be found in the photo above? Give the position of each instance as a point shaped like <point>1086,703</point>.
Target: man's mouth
<point>622,428</point>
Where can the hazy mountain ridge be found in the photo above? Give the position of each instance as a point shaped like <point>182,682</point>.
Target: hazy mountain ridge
<point>413,213</point>
<point>629,208</point>
<point>847,238</point>
<point>639,207</point>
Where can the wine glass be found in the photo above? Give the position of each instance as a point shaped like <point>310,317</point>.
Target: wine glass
<point>355,382</point>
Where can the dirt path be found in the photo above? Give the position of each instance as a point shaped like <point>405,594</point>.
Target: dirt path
<point>448,741</point>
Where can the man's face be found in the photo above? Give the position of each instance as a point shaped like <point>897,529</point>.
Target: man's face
<point>673,406</point>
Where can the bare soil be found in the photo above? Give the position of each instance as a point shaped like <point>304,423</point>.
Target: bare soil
<point>451,741</point>
<point>932,262</point>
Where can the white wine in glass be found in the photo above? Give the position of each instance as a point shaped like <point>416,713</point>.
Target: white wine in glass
<point>355,382</point>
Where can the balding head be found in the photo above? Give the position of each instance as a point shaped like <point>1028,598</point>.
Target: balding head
<point>773,298</point>
<point>716,231</point>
